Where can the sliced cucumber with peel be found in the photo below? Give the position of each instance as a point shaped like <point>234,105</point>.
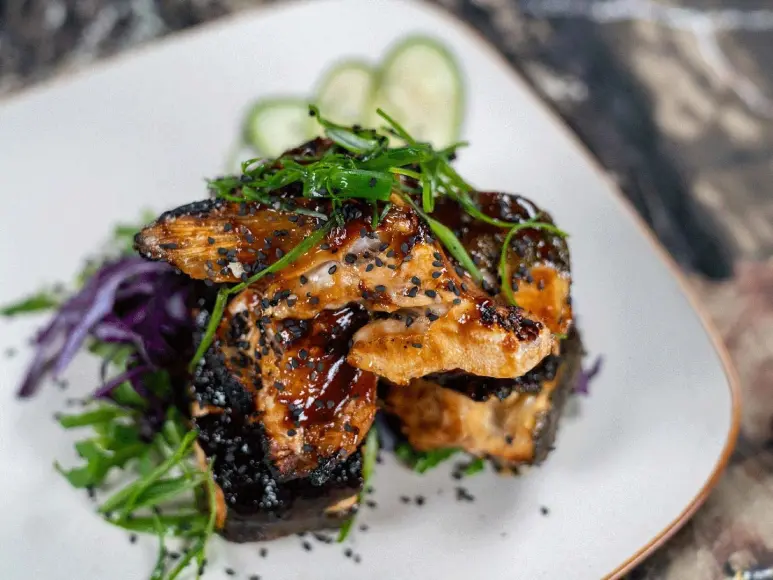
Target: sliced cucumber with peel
<point>345,93</point>
<point>273,126</point>
<point>420,86</point>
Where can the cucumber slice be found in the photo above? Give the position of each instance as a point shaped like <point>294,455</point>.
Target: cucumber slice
<point>345,92</point>
<point>420,85</point>
<point>272,126</point>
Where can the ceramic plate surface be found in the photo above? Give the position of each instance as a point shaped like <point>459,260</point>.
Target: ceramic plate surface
<point>632,460</point>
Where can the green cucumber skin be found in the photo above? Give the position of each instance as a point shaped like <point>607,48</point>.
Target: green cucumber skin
<point>336,69</point>
<point>406,43</point>
<point>251,140</point>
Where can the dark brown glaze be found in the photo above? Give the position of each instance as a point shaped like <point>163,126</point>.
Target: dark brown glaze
<point>290,377</point>
<point>395,268</point>
<point>538,260</point>
<point>251,503</point>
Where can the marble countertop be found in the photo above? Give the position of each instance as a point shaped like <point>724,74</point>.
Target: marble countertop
<point>674,97</point>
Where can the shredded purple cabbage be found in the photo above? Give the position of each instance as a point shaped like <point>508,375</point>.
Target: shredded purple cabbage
<point>586,375</point>
<point>129,301</point>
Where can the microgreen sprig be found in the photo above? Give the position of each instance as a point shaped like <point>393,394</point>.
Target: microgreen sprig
<point>503,270</point>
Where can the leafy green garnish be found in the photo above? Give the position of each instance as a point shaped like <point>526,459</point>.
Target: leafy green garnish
<point>421,461</point>
<point>369,455</point>
<point>166,476</point>
<point>36,303</point>
<point>475,466</point>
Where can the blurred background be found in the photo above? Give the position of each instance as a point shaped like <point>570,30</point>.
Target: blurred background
<point>673,97</point>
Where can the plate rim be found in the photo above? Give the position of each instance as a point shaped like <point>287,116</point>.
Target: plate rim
<point>613,190</point>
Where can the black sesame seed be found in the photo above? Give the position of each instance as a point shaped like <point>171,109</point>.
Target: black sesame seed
<point>306,546</point>
<point>307,448</point>
<point>350,258</point>
<point>437,264</point>
<point>380,288</point>
<point>436,274</point>
<point>408,321</point>
<point>332,269</point>
<point>413,292</point>
<point>416,280</point>
<point>227,227</point>
<point>457,301</point>
<point>263,552</point>
<point>404,248</point>
<point>372,182</point>
<point>357,559</point>
<point>324,246</point>
<point>169,246</point>
<point>383,247</point>
<point>348,552</point>
<point>369,267</point>
<point>363,232</point>
<point>303,279</point>
<point>292,432</point>
<point>416,344</point>
<point>314,300</point>
<point>508,439</point>
<point>279,252</point>
<point>133,538</point>
<point>405,499</point>
<point>230,571</point>
<point>430,293</point>
<point>391,253</point>
<point>419,500</point>
<point>211,241</point>
<point>543,510</point>
<point>379,262</point>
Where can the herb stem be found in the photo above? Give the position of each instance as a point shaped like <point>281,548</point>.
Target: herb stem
<point>224,293</point>
<point>127,496</point>
<point>504,271</point>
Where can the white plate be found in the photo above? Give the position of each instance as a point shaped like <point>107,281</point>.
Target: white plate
<point>633,462</point>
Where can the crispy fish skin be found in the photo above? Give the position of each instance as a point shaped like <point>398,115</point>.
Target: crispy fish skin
<point>251,503</point>
<point>396,268</point>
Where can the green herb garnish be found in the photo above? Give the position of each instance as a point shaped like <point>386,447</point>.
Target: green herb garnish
<point>36,303</point>
<point>223,294</point>
<point>475,466</point>
<point>503,271</point>
<point>369,455</point>
<point>422,461</point>
<point>172,480</point>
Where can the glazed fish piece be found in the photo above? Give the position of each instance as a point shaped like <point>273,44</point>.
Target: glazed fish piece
<point>512,421</point>
<point>291,378</point>
<point>537,260</point>
<point>395,269</point>
<point>515,431</point>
